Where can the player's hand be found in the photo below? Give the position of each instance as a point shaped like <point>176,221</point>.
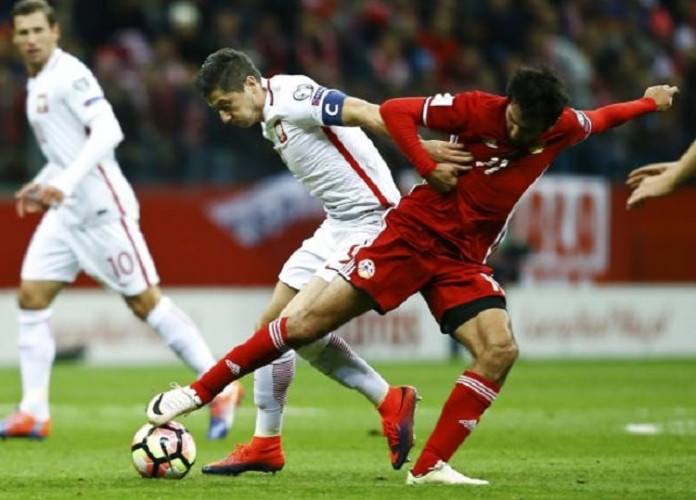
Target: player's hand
<point>27,200</point>
<point>636,176</point>
<point>447,152</point>
<point>651,187</point>
<point>50,196</point>
<point>662,95</point>
<point>445,176</point>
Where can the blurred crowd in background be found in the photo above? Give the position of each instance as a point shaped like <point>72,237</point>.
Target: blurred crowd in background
<point>145,54</point>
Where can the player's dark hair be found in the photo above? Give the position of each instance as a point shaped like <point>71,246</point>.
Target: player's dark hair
<point>226,70</point>
<point>26,7</point>
<point>540,95</point>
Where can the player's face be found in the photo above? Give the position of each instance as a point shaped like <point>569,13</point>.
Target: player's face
<point>520,133</point>
<point>35,39</point>
<point>241,109</point>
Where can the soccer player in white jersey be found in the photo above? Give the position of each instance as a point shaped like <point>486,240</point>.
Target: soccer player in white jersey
<point>91,222</point>
<point>341,167</point>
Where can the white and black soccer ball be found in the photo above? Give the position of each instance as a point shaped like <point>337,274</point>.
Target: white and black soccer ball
<point>167,451</point>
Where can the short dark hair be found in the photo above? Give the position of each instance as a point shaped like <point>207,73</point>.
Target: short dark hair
<point>26,7</point>
<point>540,95</point>
<point>226,70</point>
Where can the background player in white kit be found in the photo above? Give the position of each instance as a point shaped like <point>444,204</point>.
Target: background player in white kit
<point>91,222</point>
<point>342,168</point>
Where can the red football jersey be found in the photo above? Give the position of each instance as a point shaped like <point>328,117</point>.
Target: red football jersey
<point>470,221</point>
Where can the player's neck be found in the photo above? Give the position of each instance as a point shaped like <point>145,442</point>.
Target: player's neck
<point>35,69</point>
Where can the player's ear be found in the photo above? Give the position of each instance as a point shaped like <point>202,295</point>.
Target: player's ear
<point>251,81</point>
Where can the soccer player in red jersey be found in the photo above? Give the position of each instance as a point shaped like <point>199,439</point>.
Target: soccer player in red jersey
<point>436,242</point>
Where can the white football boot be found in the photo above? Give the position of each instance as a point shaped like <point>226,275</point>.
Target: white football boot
<point>168,405</point>
<point>443,473</point>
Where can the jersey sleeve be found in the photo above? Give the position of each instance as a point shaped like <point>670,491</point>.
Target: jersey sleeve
<point>84,96</point>
<point>583,123</point>
<point>448,113</point>
<point>577,124</point>
<point>305,103</point>
<point>326,106</point>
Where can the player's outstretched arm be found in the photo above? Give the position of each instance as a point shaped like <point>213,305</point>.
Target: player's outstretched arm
<point>662,95</point>
<point>659,179</point>
<point>656,98</point>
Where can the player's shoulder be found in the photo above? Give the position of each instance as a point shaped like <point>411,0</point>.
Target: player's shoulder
<point>483,100</point>
<point>572,120</point>
<point>294,87</point>
<point>70,65</point>
<point>292,96</point>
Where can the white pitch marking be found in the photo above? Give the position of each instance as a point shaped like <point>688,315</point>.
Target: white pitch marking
<point>643,429</point>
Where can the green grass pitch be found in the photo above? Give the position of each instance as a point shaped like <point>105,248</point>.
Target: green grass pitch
<point>558,431</point>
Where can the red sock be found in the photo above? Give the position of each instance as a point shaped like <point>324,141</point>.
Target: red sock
<point>267,344</point>
<point>469,399</point>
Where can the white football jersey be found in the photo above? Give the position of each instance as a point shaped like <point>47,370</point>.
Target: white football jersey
<point>62,99</point>
<point>339,165</point>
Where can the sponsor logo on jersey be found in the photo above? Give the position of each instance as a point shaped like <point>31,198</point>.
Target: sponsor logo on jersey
<point>81,84</point>
<point>317,96</point>
<point>366,269</point>
<point>234,367</point>
<point>42,103</point>
<point>303,91</point>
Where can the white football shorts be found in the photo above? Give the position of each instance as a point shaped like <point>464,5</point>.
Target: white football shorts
<point>114,253</point>
<point>327,250</point>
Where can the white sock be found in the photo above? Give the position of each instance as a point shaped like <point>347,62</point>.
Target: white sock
<point>332,356</point>
<point>271,384</point>
<point>37,349</point>
<point>181,335</point>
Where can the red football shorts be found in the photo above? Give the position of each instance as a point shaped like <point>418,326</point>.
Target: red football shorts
<point>390,270</point>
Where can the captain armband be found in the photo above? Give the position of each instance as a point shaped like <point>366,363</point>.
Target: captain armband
<point>332,108</point>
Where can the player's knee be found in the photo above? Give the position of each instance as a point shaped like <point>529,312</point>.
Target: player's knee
<point>502,354</point>
<point>138,308</point>
<point>32,300</point>
<point>144,303</point>
<point>304,328</point>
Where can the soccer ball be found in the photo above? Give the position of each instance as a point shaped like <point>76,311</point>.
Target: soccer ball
<point>167,451</point>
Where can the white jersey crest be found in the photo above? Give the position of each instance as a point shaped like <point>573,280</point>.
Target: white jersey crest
<point>62,99</point>
<point>339,165</point>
